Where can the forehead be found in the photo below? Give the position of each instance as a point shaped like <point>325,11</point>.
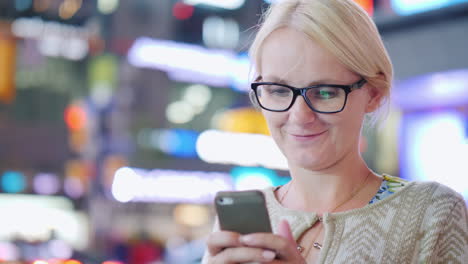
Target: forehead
<point>290,55</point>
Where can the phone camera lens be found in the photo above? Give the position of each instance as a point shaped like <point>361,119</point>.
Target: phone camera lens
<point>225,200</point>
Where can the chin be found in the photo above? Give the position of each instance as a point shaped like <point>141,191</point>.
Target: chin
<point>307,161</point>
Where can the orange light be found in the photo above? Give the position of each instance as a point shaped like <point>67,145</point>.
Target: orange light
<point>75,117</point>
<point>7,64</point>
<point>112,262</point>
<point>68,8</point>
<point>243,120</point>
<point>56,261</point>
<point>368,5</point>
<point>72,261</point>
<point>40,262</point>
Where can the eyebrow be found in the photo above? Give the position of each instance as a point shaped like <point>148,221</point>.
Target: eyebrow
<point>282,81</point>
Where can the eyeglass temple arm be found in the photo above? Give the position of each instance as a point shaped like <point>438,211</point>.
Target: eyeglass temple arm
<point>358,85</point>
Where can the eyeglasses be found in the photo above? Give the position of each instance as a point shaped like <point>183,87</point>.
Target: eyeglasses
<point>321,98</point>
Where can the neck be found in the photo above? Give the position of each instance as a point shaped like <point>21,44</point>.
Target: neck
<point>322,191</point>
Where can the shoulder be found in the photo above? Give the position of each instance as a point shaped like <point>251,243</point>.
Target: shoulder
<point>438,202</point>
<point>437,192</point>
<point>420,197</point>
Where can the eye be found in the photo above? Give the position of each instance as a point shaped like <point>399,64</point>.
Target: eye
<point>276,90</point>
<point>325,93</point>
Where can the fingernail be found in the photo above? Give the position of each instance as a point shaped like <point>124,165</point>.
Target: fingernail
<point>268,255</point>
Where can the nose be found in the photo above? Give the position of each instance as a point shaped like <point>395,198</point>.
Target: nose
<point>300,112</point>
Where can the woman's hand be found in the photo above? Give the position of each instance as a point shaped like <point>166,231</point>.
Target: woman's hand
<point>230,247</point>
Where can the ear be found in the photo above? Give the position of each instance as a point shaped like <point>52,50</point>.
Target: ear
<point>375,96</point>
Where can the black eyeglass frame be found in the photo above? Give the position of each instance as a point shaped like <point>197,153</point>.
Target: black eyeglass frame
<point>302,91</point>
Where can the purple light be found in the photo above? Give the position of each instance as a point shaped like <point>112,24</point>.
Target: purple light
<point>191,63</point>
<point>73,187</point>
<point>434,90</point>
<point>168,186</point>
<point>435,147</point>
<point>46,183</point>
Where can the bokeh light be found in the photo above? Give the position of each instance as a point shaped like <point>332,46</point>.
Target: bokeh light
<point>73,187</point>
<point>22,5</point>
<point>68,8</point>
<point>191,214</point>
<point>39,261</point>
<point>61,250</point>
<point>125,184</point>
<point>9,251</point>
<point>107,6</point>
<point>46,183</point>
<point>75,117</point>
<point>13,181</point>
<point>182,11</point>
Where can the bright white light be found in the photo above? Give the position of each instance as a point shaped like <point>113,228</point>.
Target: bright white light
<point>107,6</point>
<point>74,49</point>
<point>27,28</point>
<point>197,95</point>
<point>242,149</point>
<point>49,213</point>
<point>220,33</point>
<point>253,181</point>
<point>40,262</point>
<point>179,112</point>
<point>191,63</point>
<point>125,185</point>
<point>170,185</point>
<point>50,45</point>
<point>437,149</point>
<point>226,4</point>
<point>54,39</point>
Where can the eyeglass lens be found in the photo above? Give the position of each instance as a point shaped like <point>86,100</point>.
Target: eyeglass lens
<point>323,99</point>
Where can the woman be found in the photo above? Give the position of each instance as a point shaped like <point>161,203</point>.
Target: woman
<point>322,69</point>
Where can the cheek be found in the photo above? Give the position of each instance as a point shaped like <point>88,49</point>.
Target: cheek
<point>347,129</point>
<point>274,120</point>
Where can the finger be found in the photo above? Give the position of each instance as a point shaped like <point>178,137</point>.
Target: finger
<point>284,230</point>
<point>285,248</point>
<point>217,241</point>
<point>243,255</point>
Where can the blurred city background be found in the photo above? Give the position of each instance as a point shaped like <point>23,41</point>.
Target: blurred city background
<point>120,120</point>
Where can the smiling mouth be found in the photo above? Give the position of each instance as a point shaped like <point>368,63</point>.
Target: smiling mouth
<point>308,136</point>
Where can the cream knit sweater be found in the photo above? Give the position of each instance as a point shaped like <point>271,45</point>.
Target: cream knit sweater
<point>424,222</point>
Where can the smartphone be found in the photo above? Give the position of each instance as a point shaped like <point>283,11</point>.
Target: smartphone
<point>244,212</point>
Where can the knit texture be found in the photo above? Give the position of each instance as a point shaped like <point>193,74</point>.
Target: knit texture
<point>425,222</point>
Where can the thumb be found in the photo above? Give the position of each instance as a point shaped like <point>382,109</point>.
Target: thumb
<point>284,230</point>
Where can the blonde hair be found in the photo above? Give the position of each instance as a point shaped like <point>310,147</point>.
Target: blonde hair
<point>340,26</point>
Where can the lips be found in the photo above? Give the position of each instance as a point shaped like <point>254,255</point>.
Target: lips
<point>307,136</point>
